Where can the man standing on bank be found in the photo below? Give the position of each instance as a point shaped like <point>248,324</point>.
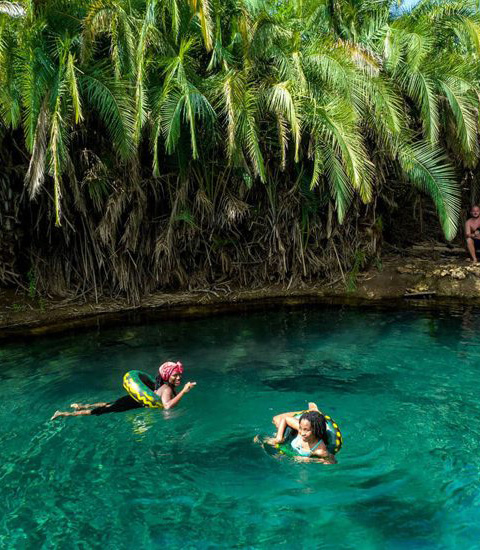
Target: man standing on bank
<point>472,232</point>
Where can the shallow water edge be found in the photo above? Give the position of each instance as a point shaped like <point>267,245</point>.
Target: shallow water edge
<point>400,283</point>
<point>89,317</point>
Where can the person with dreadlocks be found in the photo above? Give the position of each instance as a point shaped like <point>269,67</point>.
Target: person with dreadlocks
<point>311,440</point>
<point>169,377</point>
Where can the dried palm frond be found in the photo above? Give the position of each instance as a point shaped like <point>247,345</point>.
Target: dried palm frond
<point>109,224</point>
<point>203,205</point>
<point>233,210</point>
<point>36,170</point>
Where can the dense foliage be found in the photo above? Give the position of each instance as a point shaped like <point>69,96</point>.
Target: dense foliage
<point>186,143</point>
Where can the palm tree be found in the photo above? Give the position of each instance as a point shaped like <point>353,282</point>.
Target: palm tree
<point>321,100</point>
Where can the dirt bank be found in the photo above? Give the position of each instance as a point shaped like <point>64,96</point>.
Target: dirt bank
<point>433,278</point>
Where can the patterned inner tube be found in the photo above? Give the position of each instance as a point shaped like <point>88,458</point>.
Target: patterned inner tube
<point>141,386</point>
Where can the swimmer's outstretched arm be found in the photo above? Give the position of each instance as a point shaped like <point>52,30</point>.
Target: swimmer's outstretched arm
<point>169,402</point>
<point>276,419</point>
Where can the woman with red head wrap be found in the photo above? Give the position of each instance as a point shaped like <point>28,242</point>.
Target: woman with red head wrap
<point>169,377</point>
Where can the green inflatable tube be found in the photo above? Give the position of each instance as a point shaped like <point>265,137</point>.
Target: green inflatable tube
<point>141,386</point>
<point>334,436</point>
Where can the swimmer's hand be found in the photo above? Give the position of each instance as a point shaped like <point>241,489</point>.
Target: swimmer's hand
<point>188,386</point>
<point>312,407</point>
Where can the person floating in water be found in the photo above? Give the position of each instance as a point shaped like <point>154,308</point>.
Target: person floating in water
<point>311,440</point>
<point>472,232</point>
<point>169,377</point>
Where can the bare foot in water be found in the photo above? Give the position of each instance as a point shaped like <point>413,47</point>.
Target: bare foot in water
<point>56,415</point>
<point>272,441</point>
<point>75,406</point>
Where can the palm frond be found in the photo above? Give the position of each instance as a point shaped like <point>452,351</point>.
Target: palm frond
<point>13,9</point>
<point>340,185</point>
<point>327,162</point>
<point>463,112</point>
<point>247,131</point>
<point>337,124</point>
<point>422,89</point>
<point>73,85</point>
<point>188,107</point>
<point>325,63</point>
<point>379,96</point>
<point>202,10</point>
<point>36,170</point>
<point>428,169</point>
<point>466,29</point>
<point>230,96</point>
<point>282,139</point>
<point>283,104</point>
<point>110,99</point>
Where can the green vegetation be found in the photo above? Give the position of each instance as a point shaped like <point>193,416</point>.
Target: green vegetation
<point>184,142</point>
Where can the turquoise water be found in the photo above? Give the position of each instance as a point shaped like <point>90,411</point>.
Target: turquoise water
<point>403,387</point>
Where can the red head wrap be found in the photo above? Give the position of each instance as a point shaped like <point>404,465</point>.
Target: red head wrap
<point>167,369</point>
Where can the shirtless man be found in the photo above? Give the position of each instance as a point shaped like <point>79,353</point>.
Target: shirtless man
<point>472,232</point>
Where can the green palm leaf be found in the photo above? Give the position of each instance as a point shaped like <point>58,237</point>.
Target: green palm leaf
<point>428,169</point>
<point>111,101</point>
<point>284,105</point>
<point>463,112</point>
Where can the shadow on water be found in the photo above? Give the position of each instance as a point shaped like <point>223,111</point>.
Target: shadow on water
<point>178,314</point>
<point>444,327</point>
<point>318,383</point>
<point>414,525</point>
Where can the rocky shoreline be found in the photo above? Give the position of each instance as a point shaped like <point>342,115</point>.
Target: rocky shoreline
<point>398,279</point>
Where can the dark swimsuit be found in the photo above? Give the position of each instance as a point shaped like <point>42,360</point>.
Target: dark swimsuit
<point>476,241</point>
<point>124,403</point>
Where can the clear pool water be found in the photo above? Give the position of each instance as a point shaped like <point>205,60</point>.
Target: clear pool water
<point>404,387</point>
